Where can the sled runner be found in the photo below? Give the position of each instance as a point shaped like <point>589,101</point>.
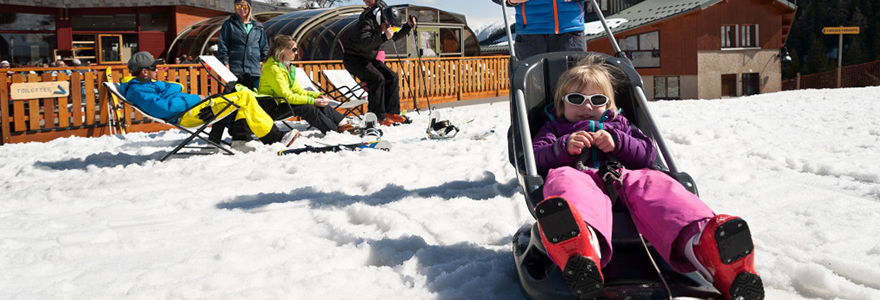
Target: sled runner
<point>636,270</point>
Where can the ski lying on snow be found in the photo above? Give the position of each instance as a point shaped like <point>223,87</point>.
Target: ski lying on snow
<point>381,145</point>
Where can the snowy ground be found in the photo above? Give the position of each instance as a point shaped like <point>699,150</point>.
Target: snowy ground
<point>101,218</point>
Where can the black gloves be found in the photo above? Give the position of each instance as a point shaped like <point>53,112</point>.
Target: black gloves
<point>206,114</point>
<point>381,4</point>
<point>230,87</point>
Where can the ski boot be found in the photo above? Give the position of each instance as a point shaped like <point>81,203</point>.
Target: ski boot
<point>724,254</point>
<point>572,245</point>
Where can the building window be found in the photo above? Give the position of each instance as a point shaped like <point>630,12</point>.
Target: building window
<point>751,84</point>
<point>643,49</point>
<point>728,85</point>
<point>29,22</point>
<point>739,36</point>
<point>28,38</point>
<point>666,87</point>
<point>749,36</point>
<point>118,22</point>
<point>728,36</point>
<point>156,21</point>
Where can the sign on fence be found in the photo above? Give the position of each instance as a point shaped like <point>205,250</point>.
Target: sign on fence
<point>36,90</point>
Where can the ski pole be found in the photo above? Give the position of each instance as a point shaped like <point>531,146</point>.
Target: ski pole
<point>417,39</point>
<point>406,79</point>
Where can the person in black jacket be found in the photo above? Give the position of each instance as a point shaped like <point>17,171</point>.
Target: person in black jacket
<point>243,44</point>
<point>371,31</point>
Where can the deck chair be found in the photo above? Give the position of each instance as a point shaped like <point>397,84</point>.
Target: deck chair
<point>198,132</point>
<point>352,95</point>
<point>273,109</point>
<point>630,273</point>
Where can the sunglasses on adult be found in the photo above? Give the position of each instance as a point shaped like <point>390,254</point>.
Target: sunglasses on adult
<point>579,99</point>
<point>242,6</point>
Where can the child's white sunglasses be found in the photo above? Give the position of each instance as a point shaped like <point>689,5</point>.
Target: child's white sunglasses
<point>579,99</point>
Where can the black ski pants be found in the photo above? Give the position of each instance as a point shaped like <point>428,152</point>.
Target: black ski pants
<point>324,118</point>
<point>382,84</point>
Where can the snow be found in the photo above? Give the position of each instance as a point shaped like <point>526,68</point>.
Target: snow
<point>101,218</point>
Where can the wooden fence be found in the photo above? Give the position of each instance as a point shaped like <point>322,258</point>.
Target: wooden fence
<point>85,111</point>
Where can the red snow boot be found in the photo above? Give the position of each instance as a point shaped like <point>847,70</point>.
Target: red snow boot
<point>570,244</point>
<point>724,254</point>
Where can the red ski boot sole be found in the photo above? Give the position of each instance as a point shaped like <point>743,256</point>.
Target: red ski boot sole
<point>734,242</point>
<point>567,239</point>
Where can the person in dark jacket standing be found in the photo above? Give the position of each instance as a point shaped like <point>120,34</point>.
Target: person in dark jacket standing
<point>548,26</point>
<point>243,44</point>
<point>371,31</point>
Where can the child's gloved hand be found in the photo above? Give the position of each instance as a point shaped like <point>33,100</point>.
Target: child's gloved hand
<point>206,113</point>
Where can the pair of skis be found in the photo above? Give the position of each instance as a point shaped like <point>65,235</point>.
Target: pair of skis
<point>381,145</point>
<point>369,132</point>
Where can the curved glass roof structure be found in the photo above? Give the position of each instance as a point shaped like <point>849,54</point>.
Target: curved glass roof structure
<point>323,33</point>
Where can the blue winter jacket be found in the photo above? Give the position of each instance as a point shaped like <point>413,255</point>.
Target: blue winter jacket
<point>242,51</point>
<point>548,16</point>
<point>160,99</point>
<point>633,149</point>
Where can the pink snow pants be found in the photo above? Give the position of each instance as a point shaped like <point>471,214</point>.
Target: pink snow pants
<point>661,207</point>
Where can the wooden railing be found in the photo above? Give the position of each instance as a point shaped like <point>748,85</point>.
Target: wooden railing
<point>85,111</point>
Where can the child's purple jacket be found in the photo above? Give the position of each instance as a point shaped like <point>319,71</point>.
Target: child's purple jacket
<point>632,148</point>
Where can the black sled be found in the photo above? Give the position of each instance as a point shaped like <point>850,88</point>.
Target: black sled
<point>631,273</point>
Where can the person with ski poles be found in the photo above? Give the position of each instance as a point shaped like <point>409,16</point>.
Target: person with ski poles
<point>373,28</point>
<point>279,82</point>
<point>548,26</point>
<point>165,100</point>
<point>589,151</point>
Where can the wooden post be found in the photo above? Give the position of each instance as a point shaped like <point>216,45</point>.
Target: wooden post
<point>839,57</point>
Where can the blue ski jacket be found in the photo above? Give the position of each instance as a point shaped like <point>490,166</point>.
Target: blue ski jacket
<point>160,99</point>
<point>241,50</point>
<point>548,16</point>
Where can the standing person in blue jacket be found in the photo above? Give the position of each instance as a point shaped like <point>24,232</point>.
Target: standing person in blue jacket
<point>548,26</point>
<point>243,44</point>
<point>242,47</point>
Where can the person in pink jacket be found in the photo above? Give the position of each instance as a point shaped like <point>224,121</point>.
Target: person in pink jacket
<point>575,218</point>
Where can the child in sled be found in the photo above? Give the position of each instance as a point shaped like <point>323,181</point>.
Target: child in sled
<point>575,216</point>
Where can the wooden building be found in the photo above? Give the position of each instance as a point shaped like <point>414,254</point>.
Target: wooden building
<point>702,49</point>
<point>99,31</point>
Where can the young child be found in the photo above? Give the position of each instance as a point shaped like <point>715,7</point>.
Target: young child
<point>575,217</point>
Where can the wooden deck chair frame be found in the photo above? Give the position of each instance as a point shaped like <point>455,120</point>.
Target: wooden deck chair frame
<point>196,132</point>
<point>353,95</point>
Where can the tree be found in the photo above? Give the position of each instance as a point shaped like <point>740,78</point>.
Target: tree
<point>817,60</point>
<point>321,3</point>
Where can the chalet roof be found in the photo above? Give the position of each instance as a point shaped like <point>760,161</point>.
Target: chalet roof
<point>648,12</point>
